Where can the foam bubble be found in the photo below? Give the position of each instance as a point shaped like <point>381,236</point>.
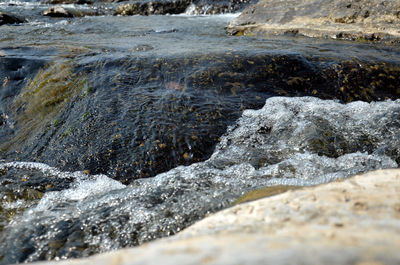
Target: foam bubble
<point>81,188</point>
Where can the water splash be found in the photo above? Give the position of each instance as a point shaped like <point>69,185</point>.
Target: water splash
<point>45,169</point>
<point>290,141</point>
<point>190,10</point>
<point>83,188</point>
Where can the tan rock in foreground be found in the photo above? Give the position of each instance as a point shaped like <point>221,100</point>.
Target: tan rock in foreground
<point>338,19</point>
<point>356,221</point>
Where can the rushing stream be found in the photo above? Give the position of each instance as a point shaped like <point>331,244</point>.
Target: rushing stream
<point>132,128</point>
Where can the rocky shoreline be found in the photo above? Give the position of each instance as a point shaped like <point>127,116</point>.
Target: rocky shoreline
<point>84,8</point>
<point>354,221</point>
<point>369,20</point>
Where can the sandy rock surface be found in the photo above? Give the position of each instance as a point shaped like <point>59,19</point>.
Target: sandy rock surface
<point>354,221</point>
<point>373,20</point>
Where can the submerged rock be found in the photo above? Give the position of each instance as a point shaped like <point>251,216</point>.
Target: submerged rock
<point>15,72</point>
<point>10,19</point>
<point>149,115</point>
<point>339,19</point>
<point>354,221</point>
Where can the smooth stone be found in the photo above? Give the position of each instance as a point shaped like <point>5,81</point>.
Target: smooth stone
<point>353,221</point>
<point>371,20</point>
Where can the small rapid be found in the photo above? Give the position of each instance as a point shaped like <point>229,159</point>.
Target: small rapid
<point>290,141</point>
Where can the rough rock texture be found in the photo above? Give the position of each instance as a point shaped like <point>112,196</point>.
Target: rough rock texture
<point>10,19</point>
<point>355,221</point>
<point>153,8</point>
<point>78,2</point>
<point>198,7</point>
<point>204,93</point>
<point>338,19</point>
<point>58,11</point>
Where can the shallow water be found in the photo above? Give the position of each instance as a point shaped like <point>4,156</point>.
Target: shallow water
<point>165,35</point>
<point>147,72</point>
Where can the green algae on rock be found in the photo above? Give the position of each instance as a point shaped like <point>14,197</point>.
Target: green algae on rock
<point>41,100</point>
<point>263,193</point>
<point>144,110</point>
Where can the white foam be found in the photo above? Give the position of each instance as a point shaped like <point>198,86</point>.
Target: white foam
<point>81,188</point>
<point>280,139</point>
<point>44,168</point>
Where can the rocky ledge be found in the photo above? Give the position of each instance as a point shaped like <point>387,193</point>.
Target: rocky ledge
<point>354,221</point>
<point>375,20</point>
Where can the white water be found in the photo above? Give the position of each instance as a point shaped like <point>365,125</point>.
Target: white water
<point>47,170</point>
<point>270,146</point>
<point>81,189</point>
<point>243,152</point>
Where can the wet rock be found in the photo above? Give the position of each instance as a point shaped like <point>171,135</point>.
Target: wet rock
<point>162,7</point>
<point>355,221</point>
<point>59,11</point>
<point>10,19</point>
<point>15,72</point>
<point>181,6</point>
<point>174,112</point>
<point>263,193</point>
<point>153,8</point>
<point>371,20</point>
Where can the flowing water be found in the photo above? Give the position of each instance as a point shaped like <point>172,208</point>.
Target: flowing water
<point>154,134</point>
<point>290,141</point>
